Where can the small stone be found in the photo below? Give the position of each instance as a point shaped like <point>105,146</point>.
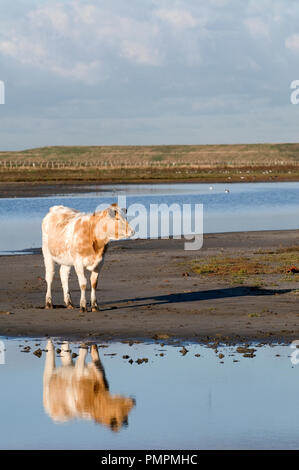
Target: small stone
<point>161,336</point>
<point>38,352</point>
<point>140,361</point>
<point>183,351</point>
<point>245,350</point>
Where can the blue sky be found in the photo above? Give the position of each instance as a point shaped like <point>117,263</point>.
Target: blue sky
<point>142,72</point>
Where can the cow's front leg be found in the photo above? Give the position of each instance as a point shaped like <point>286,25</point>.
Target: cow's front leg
<point>50,361</point>
<point>50,270</point>
<point>65,355</point>
<point>94,282</point>
<point>64,276</point>
<point>82,283</point>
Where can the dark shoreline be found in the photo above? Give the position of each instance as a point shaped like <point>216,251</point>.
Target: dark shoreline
<point>46,189</point>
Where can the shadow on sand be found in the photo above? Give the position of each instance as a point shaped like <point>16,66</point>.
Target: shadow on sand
<point>213,294</point>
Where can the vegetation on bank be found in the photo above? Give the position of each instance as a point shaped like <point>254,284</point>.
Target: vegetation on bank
<point>250,268</point>
<point>227,163</point>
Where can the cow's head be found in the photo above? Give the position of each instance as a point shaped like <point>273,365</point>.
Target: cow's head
<point>112,411</point>
<point>113,224</point>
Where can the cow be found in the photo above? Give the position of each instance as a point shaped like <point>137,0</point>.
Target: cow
<point>71,238</point>
<point>80,390</point>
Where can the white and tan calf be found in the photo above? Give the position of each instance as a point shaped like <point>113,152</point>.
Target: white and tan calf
<point>71,238</point>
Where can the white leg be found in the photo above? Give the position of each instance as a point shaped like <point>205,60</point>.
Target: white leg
<point>93,282</point>
<point>64,276</point>
<point>65,355</point>
<point>50,361</point>
<point>82,283</point>
<point>50,270</point>
<point>80,364</point>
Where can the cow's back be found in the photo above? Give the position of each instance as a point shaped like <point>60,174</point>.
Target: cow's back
<point>57,229</point>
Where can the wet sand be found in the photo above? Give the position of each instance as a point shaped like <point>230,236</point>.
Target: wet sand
<point>144,291</point>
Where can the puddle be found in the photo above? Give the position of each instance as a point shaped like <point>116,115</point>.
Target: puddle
<point>169,399</point>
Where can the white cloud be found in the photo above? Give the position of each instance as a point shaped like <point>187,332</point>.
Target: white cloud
<point>179,19</point>
<point>78,40</point>
<point>257,27</point>
<point>23,50</point>
<point>140,53</point>
<point>292,42</point>
<point>53,16</point>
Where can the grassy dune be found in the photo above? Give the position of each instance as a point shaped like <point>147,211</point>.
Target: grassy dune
<point>254,162</point>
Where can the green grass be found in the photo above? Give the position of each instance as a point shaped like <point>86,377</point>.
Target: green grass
<point>205,163</point>
<point>240,269</point>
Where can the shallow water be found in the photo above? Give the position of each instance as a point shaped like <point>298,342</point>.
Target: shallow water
<point>247,206</point>
<point>181,401</point>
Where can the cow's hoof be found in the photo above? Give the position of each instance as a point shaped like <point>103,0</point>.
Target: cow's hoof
<point>48,306</point>
<point>83,309</point>
<point>70,307</point>
<point>94,308</point>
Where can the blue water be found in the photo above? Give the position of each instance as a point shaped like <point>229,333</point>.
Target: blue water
<point>182,402</point>
<point>226,207</point>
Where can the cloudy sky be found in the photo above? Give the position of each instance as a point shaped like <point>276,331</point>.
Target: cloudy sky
<point>113,72</point>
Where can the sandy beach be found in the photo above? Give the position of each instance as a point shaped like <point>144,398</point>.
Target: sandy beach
<point>152,289</point>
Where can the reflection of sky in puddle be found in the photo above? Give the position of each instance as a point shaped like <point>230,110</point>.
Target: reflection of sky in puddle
<point>182,402</point>
<point>255,206</point>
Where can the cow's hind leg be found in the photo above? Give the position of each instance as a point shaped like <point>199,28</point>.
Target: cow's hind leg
<point>80,364</point>
<point>82,283</point>
<point>50,360</point>
<point>50,270</point>
<point>94,282</point>
<point>64,276</point>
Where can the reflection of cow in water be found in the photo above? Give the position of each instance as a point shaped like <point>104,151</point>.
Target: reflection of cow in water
<point>81,390</point>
